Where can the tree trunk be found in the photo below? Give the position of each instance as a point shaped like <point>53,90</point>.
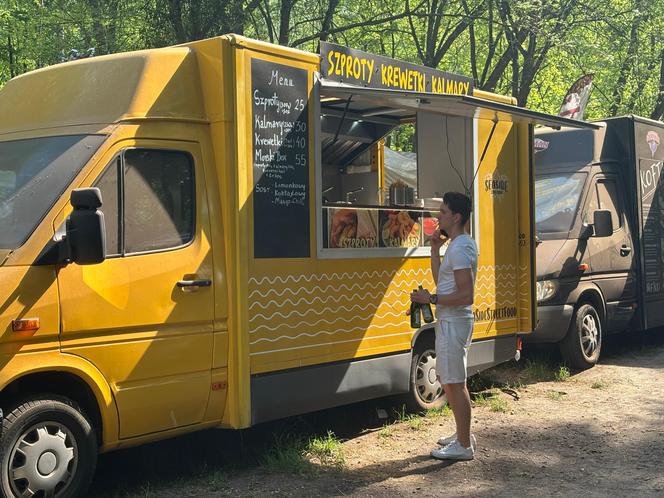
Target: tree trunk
<point>175,18</point>
<point>284,21</point>
<point>98,34</point>
<point>327,20</point>
<point>12,57</point>
<point>628,64</point>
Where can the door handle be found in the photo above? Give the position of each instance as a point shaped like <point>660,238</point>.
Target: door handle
<point>625,250</point>
<point>194,283</point>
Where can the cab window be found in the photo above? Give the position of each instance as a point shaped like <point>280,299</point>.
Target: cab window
<point>604,195</point>
<point>148,201</point>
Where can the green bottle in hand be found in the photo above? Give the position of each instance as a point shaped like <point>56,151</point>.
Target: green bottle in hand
<point>427,314</point>
<point>415,318</point>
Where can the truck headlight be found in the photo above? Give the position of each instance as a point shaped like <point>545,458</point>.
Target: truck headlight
<point>546,289</point>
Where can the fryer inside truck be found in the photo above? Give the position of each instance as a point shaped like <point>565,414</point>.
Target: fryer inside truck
<point>202,236</point>
<point>599,273</point>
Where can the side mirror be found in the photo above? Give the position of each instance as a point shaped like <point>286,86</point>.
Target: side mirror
<point>602,223</point>
<point>85,228</point>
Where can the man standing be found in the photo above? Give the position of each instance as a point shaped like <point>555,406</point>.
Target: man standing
<point>455,282</point>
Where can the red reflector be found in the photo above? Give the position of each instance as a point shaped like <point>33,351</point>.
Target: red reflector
<point>583,267</point>
<point>25,325</point>
<point>519,344</point>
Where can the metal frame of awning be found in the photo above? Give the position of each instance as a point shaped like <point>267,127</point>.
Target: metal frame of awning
<point>455,105</point>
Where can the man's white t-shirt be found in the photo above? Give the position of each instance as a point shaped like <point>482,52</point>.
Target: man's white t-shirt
<point>461,254</point>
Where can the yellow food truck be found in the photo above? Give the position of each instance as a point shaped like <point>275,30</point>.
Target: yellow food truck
<point>207,235</point>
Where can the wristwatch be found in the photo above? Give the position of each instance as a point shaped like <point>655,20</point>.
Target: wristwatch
<point>433,298</point>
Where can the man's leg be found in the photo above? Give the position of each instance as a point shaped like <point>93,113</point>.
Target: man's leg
<point>459,400</point>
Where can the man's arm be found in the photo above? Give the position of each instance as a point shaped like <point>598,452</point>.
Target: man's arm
<point>463,296</point>
<point>435,264</point>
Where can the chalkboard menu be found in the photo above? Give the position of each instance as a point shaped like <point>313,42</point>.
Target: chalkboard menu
<point>280,138</point>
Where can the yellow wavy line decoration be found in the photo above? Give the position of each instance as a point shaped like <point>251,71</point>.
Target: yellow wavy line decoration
<point>323,332</point>
<point>323,312</point>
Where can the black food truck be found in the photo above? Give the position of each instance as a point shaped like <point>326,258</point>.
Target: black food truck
<point>599,220</point>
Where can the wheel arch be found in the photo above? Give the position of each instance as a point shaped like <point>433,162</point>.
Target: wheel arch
<point>425,334</point>
<point>592,295</point>
<point>63,375</point>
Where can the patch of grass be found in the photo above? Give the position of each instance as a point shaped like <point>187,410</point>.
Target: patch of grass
<point>562,374</point>
<point>292,454</point>
<point>416,422</point>
<point>216,480</point>
<point>287,454</point>
<point>146,491</point>
<point>600,384</point>
<point>537,370</point>
<point>327,450</point>
<point>445,411</point>
<point>386,431</point>
<point>498,404</point>
<point>482,399</point>
<point>400,414</point>
<point>555,395</point>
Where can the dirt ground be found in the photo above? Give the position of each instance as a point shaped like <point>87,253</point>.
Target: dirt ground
<point>594,433</point>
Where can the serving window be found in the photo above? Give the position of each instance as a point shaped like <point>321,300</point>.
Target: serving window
<point>381,173</point>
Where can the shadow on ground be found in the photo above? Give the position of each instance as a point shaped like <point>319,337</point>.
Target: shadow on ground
<point>220,463</point>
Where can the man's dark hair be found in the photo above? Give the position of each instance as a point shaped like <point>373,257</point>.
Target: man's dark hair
<point>459,203</point>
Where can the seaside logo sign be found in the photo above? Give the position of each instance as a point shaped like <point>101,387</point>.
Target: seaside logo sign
<point>354,67</point>
<point>496,185</point>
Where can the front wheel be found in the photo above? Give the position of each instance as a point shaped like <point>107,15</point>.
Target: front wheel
<point>583,342</point>
<point>48,448</point>
<point>425,392</point>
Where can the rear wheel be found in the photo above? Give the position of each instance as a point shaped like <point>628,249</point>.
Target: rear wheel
<point>582,344</point>
<point>425,392</point>
<point>48,449</point>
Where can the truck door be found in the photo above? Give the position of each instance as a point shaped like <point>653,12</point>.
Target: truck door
<point>144,316</point>
<point>612,257</point>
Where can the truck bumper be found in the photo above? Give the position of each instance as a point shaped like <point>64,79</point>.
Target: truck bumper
<point>552,324</point>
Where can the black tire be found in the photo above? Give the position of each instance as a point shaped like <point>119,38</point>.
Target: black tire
<point>425,391</point>
<point>65,454</point>
<point>581,346</point>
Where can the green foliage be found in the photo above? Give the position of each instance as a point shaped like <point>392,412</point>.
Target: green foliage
<point>562,374</point>
<point>600,384</point>
<point>531,50</point>
<point>292,454</point>
<point>555,395</point>
<point>537,369</point>
<point>498,404</point>
<point>326,451</point>
<point>445,411</point>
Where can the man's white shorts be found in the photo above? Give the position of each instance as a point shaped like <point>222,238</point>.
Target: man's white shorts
<point>453,337</point>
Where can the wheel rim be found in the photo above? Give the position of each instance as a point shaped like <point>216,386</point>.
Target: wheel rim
<point>43,460</point>
<point>589,335</point>
<point>427,386</point>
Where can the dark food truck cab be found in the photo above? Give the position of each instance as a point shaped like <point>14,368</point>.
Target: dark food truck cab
<point>600,225</point>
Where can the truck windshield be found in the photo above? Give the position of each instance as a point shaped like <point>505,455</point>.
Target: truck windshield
<point>556,201</point>
<point>33,174</point>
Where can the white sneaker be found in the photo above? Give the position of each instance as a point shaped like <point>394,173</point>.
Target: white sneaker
<point>444,441</point>
<point>453,451</point>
